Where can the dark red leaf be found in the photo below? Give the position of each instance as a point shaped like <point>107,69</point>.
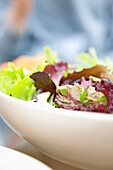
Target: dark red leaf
<point>43,82</point>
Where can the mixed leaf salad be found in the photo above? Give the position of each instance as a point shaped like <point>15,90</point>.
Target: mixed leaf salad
<point>88,87</point>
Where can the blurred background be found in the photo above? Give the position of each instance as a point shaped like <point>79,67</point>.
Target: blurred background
<point>67,26</point>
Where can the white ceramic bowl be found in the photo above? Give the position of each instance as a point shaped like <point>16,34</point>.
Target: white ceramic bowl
<point>13,160</point>
<point>81,139</point>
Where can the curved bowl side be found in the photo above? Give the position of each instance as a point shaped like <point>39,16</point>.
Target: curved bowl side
<point>78,138</point>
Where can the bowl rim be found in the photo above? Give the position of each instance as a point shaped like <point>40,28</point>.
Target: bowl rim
<point>60,111</point>
<point>19,154</point>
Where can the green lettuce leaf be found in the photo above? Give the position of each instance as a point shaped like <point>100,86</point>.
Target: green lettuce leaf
<point>15,83</point>
<point>51,58</point>
<point>91,59</point>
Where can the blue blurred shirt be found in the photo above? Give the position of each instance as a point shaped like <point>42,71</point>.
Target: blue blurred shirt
<point>67,26</point>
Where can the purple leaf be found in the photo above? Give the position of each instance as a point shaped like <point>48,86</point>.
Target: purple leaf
<point>43,82</point>
<point>106,87</point>
<point>56,71</point>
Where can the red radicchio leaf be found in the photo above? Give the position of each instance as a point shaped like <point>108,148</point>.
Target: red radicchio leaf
<point>99,71</point>
<point>56,71</point>
<point>43,82</point>
<point>106,87</point>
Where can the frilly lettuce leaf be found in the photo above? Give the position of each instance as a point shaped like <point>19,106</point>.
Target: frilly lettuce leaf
<point>87,59</point>
<point>91,59</point>
<point>51,58</point>
<point>15,83</point>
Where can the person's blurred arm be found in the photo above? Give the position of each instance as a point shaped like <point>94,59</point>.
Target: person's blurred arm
<point>13,28</point>
<point>17,13</point>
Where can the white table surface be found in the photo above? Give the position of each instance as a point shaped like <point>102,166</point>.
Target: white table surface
<point>28,149</point>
